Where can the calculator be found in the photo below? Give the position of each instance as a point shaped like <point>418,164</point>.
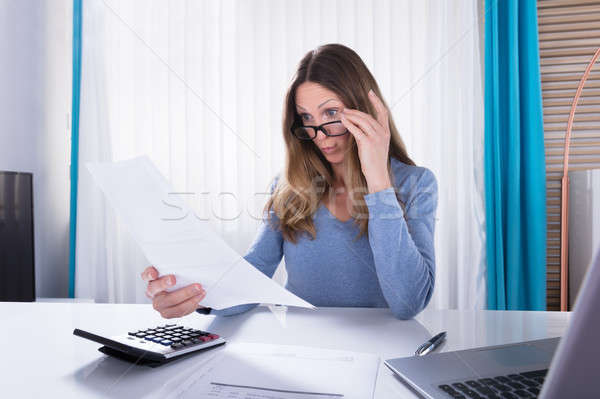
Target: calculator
<point>155,346</point>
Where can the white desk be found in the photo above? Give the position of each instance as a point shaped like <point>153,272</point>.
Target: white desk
<point>42,358</point>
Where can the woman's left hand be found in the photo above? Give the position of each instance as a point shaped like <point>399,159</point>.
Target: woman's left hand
<point>373,141</point>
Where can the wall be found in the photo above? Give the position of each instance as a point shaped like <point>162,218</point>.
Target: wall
<point>35,106</point>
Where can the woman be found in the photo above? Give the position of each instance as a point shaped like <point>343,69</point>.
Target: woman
<point>352,214</point>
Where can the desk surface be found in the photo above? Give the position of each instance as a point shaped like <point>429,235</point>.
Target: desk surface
<point>42,356</point>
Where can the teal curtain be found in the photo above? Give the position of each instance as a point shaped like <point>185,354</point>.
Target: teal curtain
<point>74,141</point>
<point>515,182</point>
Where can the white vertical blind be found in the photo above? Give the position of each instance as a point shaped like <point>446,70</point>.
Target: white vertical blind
<point>199,87</point>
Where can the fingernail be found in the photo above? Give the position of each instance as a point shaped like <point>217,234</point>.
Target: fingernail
<point>197,288</point>
<point>371,92</point>
<point>170,281</point>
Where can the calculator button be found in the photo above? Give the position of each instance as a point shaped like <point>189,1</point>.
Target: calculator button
<point>172,336</point>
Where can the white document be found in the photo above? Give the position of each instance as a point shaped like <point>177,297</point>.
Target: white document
<point>176,242</point>
<point>249,370</point>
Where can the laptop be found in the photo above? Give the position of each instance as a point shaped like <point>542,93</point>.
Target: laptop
<point>543,368</point>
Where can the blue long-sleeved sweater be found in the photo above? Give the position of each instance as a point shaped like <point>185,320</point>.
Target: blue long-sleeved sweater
<point>394,266</point>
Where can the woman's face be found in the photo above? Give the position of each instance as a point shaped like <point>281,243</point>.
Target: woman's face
<point>317,105</point>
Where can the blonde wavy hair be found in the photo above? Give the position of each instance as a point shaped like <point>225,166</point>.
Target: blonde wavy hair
<point>308,176</point>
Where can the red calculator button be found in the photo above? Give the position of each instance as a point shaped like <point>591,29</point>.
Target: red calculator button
<point>213,336</point>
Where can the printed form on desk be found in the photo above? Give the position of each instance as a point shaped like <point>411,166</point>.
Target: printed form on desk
<point>177,242</point>
<point>264,371</point>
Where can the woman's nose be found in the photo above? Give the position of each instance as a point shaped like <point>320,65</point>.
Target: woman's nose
<point>320,135</point>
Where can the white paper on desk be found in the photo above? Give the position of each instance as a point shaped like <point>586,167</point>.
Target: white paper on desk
<point>176,242</point>
<point>249,370</point>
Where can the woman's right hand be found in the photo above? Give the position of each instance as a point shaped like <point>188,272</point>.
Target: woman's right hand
<point>171,304</point>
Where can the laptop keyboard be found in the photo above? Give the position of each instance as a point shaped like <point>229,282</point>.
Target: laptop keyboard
<point>512,386</point>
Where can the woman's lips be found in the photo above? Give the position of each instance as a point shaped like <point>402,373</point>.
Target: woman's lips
<point>328,150</point>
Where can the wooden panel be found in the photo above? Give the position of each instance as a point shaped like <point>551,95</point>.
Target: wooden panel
<point>573,144</point>
<point>580,34</point>
<point>569,33</point>
<point>571,93</point>
<point>562,68</point>
<point>573,160</point>
<point>550,85</point>
<point>568,19</point>
<point>569,43</point>
<point>544,4</point>
<point>561,114</point>
<point>575,151</point>
<point>571,59</point>
<point>568,27</point>
<point>575,10</point>
<point>566,52</point>
<point>569,77</point>
<point>558,133</point>
<point>562,102</point>
<point>572,168</point>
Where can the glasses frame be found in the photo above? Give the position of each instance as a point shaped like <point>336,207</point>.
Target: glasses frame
<point>317,129</point>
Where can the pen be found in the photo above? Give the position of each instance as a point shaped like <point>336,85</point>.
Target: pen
<point>431,344</point>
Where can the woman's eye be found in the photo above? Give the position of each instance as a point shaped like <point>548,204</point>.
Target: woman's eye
<point>329,113</point>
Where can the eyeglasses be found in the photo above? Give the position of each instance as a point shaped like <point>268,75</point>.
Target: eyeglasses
<point>330,129</point>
